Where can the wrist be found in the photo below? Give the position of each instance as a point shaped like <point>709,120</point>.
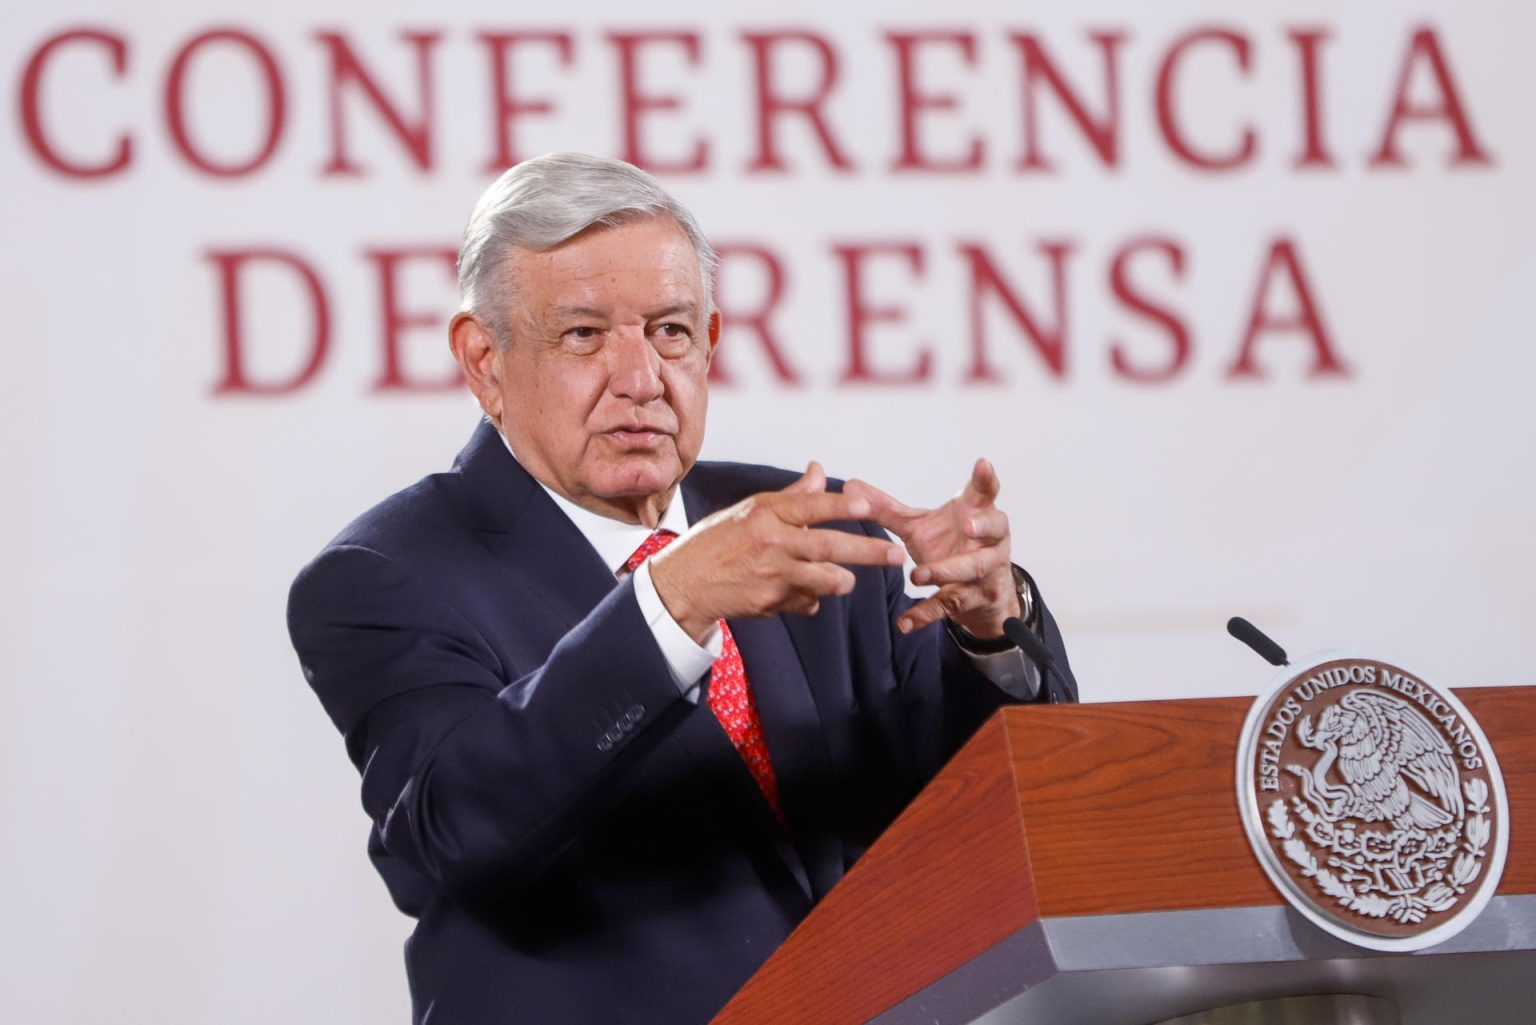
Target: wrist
<point>982,629</point>
<point>675,599</point>
<point>696,627</point>
<point>981,634</point>
<point>971,644</point>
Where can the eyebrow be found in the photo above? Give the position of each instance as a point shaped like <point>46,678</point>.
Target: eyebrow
<point>685,309</point>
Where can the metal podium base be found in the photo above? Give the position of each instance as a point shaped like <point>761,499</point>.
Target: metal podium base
<point>1155,967</point>
<point>1334,1009</point>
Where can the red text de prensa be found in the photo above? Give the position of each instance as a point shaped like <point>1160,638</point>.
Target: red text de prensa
<point>870,326</point>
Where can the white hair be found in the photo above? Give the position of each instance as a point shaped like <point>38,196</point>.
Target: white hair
<point>547,200</point>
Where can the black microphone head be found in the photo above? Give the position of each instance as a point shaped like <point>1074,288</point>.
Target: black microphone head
<point>1258,640</point>
<point>1015,630</point>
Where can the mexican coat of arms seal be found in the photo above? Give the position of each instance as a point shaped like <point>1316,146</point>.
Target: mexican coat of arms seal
<point>1373,801</point>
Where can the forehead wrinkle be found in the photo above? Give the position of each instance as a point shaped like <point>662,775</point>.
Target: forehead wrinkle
<point>682,271</point>
<point>577,311</point>
<point>573,285</point>
<point>599,291</point>
<point>685,308</point>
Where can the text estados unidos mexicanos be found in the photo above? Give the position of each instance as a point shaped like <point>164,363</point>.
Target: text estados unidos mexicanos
<point>1288,711</point>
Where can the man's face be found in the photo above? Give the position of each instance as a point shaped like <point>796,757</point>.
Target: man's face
<point>602,389</point>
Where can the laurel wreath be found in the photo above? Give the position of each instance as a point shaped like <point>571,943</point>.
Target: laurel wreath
<point>1410,909</point>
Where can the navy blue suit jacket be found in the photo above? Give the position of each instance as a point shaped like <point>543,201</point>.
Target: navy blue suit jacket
<point>578,842</point>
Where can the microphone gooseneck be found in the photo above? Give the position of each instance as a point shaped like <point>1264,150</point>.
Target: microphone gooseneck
<point>1015,630</point>
<point>1258,640</point>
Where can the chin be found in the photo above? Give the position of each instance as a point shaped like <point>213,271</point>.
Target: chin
<point>640,478</point>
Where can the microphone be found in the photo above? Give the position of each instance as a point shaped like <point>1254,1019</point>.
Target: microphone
<point>1256,639</point>
<point>1021,635</point>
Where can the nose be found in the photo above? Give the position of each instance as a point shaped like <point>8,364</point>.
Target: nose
<point>634,367</point>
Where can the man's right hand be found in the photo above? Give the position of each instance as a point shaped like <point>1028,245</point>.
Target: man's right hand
<point>761,556</point>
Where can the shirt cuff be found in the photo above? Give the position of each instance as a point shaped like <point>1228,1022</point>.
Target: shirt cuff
<point>1011,670</point>
<point>688,661</point>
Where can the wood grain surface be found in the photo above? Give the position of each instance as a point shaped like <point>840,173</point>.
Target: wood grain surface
<point>877,936</point>
<point>1135,806</point>
<point>1062,810</point>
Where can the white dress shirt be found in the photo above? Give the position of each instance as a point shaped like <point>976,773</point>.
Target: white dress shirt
<point>615,541</point>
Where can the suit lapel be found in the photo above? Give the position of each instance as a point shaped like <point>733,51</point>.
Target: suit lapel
<point>537,543</point>
<point>701,737</point>
<point>796,745</point>
<point>792,727</point>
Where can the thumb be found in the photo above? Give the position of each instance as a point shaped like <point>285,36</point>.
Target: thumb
<point>886,511</point>
<point>812,481</point>
<point>983,487</point>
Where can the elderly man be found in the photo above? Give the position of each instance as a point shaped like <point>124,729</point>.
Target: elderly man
<point>609,771</point>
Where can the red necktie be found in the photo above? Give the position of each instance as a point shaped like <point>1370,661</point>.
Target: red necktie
<point>730,696</point>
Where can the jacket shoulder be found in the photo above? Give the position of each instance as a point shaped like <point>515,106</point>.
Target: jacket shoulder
<point>735,481</point>
<point>404,518</point>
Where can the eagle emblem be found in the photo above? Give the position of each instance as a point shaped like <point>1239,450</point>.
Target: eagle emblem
<point>1374,799</point>
<point>1395,767</point>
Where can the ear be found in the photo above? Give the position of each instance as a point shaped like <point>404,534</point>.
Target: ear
<point>714,335</point>
<point>474,348</point>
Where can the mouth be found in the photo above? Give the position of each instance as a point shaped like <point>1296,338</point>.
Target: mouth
<point>637,437</point>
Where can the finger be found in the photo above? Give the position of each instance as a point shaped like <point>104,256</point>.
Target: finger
<point>884,509</point>
<point>808,583</point>
<point>819,579</point>
<point>836,546</point>
<point>948,601</point>
<point>983,487</point>
<point>802,509</point>
<point>966,568</point>
<point>987,525</point>
<point>802,603</point>
<point>813,480</point>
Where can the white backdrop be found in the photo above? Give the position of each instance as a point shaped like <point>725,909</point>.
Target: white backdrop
<point>180,828</point>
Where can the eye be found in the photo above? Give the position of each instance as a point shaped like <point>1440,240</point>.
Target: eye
<point>673,332</point>
<point>584,338</point>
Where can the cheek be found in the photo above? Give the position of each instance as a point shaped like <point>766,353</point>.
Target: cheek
<point>689,396</point>
<point>557,403</point>
<point>689,376</point>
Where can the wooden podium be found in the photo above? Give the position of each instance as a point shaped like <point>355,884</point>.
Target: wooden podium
<point>1087,864</point>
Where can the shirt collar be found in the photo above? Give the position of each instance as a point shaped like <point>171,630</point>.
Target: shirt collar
<point>614,540</point>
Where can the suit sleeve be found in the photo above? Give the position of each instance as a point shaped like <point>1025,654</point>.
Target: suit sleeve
<point>476,782</point>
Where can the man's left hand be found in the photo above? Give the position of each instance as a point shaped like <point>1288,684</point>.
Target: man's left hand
<point>962,546</point>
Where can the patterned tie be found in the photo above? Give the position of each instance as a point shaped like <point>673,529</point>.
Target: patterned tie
<point>730,696</point>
